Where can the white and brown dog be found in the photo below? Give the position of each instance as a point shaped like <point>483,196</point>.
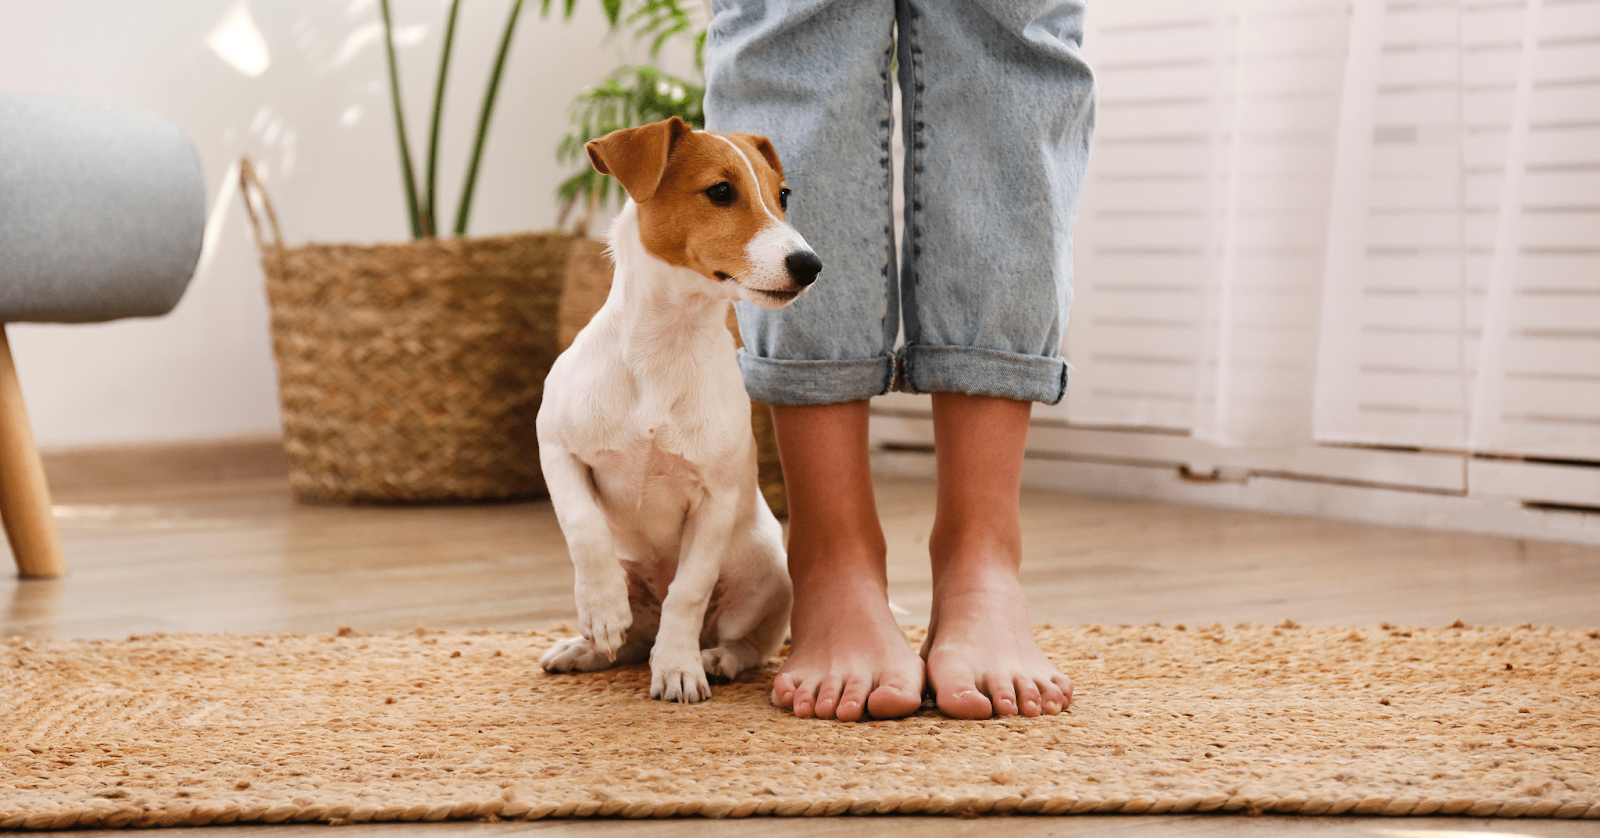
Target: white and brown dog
<point>644,433</point>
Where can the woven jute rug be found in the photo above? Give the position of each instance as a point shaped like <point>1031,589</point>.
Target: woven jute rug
<point>175,730</point>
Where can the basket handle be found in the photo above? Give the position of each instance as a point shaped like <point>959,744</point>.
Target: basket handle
<point>250,187</point>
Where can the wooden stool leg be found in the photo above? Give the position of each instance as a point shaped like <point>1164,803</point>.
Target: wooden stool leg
<point>24,495</point>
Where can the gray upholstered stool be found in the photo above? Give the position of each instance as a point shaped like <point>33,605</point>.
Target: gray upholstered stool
<point>101,213</point>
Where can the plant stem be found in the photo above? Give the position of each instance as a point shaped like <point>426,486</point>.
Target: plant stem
<point>483,120</point>
<point>429,212</point>
<point>408,175</point>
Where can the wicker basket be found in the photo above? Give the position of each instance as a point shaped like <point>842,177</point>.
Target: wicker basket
<point>411,372</point>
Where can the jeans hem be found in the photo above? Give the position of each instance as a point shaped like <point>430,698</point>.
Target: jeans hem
<point>983,372</point>
<point>775,381</point>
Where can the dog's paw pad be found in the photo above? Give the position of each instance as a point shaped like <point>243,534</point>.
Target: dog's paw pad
<point>575,654</point>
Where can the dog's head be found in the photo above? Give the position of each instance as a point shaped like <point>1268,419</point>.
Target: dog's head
<point>713,203</point>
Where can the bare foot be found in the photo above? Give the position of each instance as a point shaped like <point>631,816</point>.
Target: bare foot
<point>848,659</point>
<point>982,658</point>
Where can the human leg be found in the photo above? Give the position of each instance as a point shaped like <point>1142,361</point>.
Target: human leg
<point>813,76</point>
<point>981,655</point>
<point>998,115</point>
<point>847,657</point>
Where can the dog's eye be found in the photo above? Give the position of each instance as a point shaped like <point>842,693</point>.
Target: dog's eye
<point>720,193</point>
<point>783,199</point>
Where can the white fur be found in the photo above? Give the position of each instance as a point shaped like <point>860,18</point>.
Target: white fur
<point>769,248</point>
<point>766,252</point>
<point>644,437</point>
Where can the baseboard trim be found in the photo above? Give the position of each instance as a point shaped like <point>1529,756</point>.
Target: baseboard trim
<point>74,471</point>
<point>1286,495</point>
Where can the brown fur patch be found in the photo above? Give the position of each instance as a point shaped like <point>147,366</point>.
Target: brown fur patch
<point>637,156</point>
<point>678,222</point>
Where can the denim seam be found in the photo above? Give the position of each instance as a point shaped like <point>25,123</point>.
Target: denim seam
<point>911,269</point>
<point>891,297</point>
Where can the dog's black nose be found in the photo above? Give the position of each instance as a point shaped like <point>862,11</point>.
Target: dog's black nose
<point>803,266</point>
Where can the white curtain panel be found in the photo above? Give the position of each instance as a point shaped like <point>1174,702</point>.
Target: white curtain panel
<point>1344,222</point>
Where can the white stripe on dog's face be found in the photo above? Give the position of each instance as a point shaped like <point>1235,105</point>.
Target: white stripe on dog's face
<point>769,251</point>
<point>717,212</point>
<point>755,179</point>
<point>767,282</point>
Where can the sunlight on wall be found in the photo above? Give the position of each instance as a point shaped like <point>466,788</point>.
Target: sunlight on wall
<point>237,41</point>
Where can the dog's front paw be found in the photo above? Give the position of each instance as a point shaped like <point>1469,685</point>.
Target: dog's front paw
<point>575,654</point>
<point>686,684</point>
<point>604,618</point>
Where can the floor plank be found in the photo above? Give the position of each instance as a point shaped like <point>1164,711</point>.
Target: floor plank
<point>206,538</point>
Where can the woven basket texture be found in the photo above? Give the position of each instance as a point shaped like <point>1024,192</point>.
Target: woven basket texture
<point>413,372</point>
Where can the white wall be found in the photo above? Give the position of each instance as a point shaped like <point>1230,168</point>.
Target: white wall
<point>307,98</point>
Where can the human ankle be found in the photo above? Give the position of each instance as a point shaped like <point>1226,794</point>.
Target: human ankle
<point>829,557</point>
<point>974,559</point>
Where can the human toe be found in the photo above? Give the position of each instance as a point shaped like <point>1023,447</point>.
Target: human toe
<point>960,698</point>
<point>1029,700</point>
<point>828,698</point>
<point>1051,699</point>
<point>1003,696</point>
<point>852,700</point>
<point>783,690</point>
<point>966,703</point>
<point>1064,684</point>
<point>805,699</point>
<point>893,701</point>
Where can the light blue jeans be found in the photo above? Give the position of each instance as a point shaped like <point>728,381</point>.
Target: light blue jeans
<point>997,113</point>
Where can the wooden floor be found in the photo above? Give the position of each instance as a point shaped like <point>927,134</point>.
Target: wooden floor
<point>205,538</point>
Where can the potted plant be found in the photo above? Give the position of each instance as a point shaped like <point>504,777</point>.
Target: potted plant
<point>634,94</point>
<point>412,371</point>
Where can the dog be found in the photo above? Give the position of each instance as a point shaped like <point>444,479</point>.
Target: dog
<point>644,431</point>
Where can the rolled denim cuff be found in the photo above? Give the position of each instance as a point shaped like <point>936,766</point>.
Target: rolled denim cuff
<point>815,382</point>
<point>983,372</point>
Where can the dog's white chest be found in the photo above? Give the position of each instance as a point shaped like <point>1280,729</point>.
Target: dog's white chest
<point>645,473</point>
<point>648,492</point>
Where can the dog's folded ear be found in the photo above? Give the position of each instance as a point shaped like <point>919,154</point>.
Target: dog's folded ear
<point>764,146</point>
<point>637,157</point>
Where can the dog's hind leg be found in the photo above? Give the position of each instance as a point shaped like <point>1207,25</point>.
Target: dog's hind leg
<point>754,614</point>
<point>577,654</point>
<point>736,653</point>
<point>600,582</point>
